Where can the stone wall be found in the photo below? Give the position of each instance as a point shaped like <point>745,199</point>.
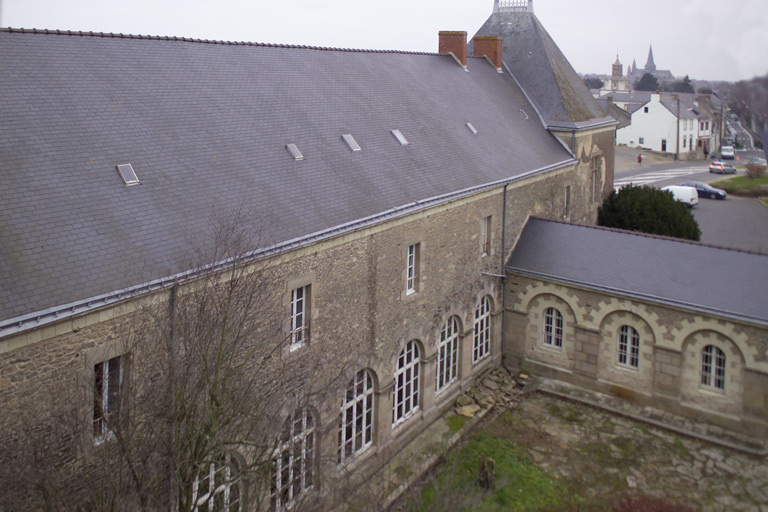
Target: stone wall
<point>668,373</point>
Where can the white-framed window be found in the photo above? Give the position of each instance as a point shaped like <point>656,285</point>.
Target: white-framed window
<point>629,347</point>
<point>481,340</point>
<point>447,354</point>
<point>108,380</point>
<point>356,422</point>
<point>642,140</point>
<point>300,303</point>
<point>294,460</point>
<point>553,328</point>
<point>217,487</point>
<point>412,269</point>
<point>713,368</point>
<point>405,395</point>
<point>485,236</point>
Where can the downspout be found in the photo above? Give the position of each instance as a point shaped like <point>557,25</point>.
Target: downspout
<point>172,394</point>
<point>502,273</point>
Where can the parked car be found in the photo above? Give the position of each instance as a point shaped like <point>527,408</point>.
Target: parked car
<point>727,153</point>
<point>721,168</point>
<point>705,190</point>
<point>686,195</point>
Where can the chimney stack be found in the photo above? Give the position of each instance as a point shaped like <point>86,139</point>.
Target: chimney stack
<point>455,43</point>
<point>489,47</point>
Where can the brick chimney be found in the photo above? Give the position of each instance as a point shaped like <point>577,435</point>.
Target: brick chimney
<point>490,47</point>
<point>455,43</point>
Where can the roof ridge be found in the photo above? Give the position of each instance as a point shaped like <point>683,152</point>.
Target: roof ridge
<point>650,235</point>
<point>119,35</point>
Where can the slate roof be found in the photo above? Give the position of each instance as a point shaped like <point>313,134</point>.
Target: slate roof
<point>713,280</point>
<point>205,126</point>
<point>544,73</point>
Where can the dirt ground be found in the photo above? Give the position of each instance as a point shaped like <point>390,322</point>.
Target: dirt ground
<point>599,453</point>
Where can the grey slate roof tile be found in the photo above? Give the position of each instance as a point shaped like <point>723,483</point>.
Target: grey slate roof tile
<point>717,280</point>
<point>543,71</point>
<point>205,125</point>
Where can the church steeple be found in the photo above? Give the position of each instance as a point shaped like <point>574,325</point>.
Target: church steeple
<point>650,66</point>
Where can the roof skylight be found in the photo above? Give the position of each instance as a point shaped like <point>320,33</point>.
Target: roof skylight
<point>351,142</point>
<point>128,174</point>
<point>472,128</point>
<point>293,149</point>
<point>399,136</point>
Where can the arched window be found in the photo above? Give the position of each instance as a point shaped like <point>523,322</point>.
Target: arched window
<point>481,342</point>
<point>447,354</point>
<point>294,460</point>
<point>553,328</point>
<point>405,395</point>
<point>356,423</point>
<point>217,486</point>
<point>629,346</point>
<point>713,368</point>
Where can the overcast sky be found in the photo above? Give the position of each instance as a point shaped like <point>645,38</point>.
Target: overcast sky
<point>705,39</point>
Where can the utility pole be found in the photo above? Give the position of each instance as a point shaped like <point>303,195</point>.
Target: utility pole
<point>677,146</point>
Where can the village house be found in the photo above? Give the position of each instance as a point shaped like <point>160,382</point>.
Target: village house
<point>687,126</point>
<point>340,223</point>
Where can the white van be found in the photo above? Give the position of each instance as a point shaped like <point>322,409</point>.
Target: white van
<point>727,153</point>
<point>687,195</point>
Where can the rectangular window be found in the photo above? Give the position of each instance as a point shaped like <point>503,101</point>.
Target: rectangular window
<point>567,202</point>
<point>300,298</point>
<point>645,109</point>
<point>485,236</point>
<point>642,140</point>
<point>412,270</point>
<point>663,144</point>
<point>107,395</point>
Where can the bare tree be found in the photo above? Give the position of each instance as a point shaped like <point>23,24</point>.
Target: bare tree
<point>201,386</point>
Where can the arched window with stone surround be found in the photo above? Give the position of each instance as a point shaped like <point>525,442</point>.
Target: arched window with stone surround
<point>294,460</point>
<point>356,417</point>
<point>713,368</point>
<point>405,394</point>
<point>447,362</point>
<point>218,486</point>
<point>553,328</point>
<point>629,347</point>
<point>481,341</point>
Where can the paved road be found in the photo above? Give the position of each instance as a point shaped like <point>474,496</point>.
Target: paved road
<point>734,222</point>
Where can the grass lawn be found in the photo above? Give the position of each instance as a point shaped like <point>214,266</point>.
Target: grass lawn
<point>554,456</point>
<point>745,186</point>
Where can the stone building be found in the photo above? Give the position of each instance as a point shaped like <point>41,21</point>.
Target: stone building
<point>386,189</point>
<point>658,321</point>
<point>617,82</point>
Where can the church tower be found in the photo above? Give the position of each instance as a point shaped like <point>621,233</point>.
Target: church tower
<point>618,69</point>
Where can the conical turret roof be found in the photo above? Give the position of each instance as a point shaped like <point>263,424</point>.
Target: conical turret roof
<point>542,70</point>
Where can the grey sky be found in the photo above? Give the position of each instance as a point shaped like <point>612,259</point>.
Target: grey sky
<point>706,39</point>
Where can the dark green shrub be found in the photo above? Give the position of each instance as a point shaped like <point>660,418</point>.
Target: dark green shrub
<point>648,210</point>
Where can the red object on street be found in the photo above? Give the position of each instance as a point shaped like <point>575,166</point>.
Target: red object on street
<point>640,159</point>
